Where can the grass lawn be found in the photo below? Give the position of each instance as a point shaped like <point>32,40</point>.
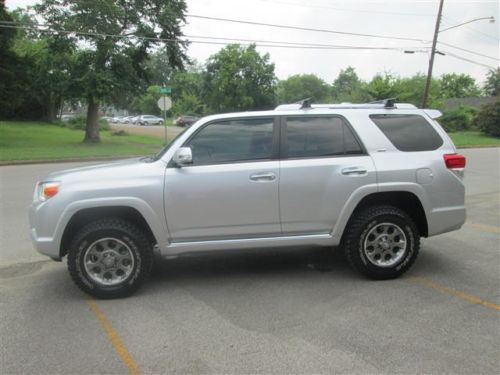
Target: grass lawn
<point>473,139</point>
<point>41,141</point>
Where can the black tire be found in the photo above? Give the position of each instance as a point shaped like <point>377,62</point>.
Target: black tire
<point>361,225</point>
<point>160,123</point>
<point>140,248</point>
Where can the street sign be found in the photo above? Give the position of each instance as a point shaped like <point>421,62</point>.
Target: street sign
<point>165,90</point>
<point>164,103</point>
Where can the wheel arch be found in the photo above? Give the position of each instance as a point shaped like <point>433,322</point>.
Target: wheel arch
<point>407,201</point>
<point>87,215</point>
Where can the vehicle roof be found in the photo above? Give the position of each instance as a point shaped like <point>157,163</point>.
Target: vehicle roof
<point>321,110</point>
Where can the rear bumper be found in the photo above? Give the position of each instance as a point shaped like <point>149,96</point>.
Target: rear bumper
<point>446,219</point>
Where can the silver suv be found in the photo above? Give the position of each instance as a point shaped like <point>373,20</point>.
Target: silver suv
<point>370,178</point>
<point>149,120</point>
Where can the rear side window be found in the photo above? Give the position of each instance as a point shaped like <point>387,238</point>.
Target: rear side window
<point>309,137</point>
<point>233,141</point>
<point>408,132</point>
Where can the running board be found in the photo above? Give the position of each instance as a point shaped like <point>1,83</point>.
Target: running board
<point>178,248</point>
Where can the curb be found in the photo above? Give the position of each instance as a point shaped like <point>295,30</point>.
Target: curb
<point>69,160</point>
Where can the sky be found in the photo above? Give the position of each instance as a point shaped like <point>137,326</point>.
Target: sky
<point>401,18</point>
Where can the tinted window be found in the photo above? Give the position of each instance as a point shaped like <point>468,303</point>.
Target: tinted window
<point>408,132</point>
<point>320,137</point>
<point>233,141</point>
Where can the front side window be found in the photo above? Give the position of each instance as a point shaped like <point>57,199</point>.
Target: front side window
<point>309,137</point>
<point>408,132</point>
<point>233,141</point>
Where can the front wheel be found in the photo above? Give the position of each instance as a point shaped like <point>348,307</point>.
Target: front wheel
<point>381,242</point>
<point>110,258</point>
<point>160,123</point>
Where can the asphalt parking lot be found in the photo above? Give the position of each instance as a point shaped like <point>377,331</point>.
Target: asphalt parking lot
<point>293,311</point>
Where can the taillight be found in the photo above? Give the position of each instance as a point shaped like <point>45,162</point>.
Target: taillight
<point>454,161</point>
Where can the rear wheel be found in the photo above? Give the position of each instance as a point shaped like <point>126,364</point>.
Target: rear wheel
<point>381,242</point>
<point>110,258</point>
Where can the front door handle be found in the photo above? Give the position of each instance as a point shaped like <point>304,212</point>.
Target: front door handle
<point>354,171</point>
<point>262,177</point>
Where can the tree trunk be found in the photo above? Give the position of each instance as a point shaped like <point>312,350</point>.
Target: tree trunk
<point>92,126</point>
<point>52,111</point>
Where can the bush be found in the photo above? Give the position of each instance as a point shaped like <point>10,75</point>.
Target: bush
<point>488,119</point>
<point>79,123</point>
<point>459,119</point>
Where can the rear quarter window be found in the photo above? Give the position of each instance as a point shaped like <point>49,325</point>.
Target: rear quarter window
<point>408,132</point>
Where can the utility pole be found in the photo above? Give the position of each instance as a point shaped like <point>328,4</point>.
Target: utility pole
<point>433,52</point>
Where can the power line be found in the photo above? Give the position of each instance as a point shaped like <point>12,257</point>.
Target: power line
<point>469,51</point>
<point>36,27</point>
<point>259,43</point>
<point>447,53</point>
<point>304,28</point>
<point>335,32</point>
<point>306,43</point>
<point>346,9</point>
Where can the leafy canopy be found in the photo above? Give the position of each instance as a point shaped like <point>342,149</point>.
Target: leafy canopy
<point>239,78</point>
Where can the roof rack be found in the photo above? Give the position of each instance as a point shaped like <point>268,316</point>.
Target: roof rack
<point>389,103</point>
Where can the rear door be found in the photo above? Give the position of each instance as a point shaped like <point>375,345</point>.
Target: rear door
<point>322,164</point>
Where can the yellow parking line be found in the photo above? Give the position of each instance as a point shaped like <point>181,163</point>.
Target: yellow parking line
<point>115,339</point>
<point>466,297</point>
<point>484,227</point>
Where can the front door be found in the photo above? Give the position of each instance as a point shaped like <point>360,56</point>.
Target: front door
<point>231,189</point>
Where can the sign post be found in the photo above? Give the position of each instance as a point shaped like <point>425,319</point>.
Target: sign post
<point>165,103</point>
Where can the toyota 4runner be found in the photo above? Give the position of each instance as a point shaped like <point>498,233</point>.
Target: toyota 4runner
<point>371,178</point>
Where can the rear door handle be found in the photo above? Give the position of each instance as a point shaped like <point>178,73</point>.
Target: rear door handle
<point>262,177</point>
<point>354,171</point>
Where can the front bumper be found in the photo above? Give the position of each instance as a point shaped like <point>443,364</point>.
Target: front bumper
<point>43,230</point>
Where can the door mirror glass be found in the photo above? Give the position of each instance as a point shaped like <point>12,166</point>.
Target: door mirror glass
<point>183,156</point>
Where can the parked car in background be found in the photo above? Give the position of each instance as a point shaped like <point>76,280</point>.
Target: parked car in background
<point>186,120</point>
<point>67,116</point>
<point>126,120</point>
<point>134,120</point>
<point>149,120</point>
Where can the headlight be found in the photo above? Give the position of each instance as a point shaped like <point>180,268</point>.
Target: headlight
<point>48,189</point>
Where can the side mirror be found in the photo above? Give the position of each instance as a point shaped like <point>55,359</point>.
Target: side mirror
<point>183,156</point>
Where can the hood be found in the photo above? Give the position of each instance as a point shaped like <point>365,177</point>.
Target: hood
<point>97,169</point>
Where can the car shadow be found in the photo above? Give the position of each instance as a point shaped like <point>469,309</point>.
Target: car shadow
<point>291,261</point>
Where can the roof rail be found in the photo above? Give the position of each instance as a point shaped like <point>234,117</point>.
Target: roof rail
<point>389,103</point>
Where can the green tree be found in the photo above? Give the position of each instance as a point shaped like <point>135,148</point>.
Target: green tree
<point>458,86</point>
<point>13,79</point>
<point>492,85</point>
<point>147,103</point>
<point>51,64</point>
<point>303,86</point>
<point>411,90</point>
<point>117,36</point>
<point>488,119</point>
<point>348,87</point>
<point>382,87</point>
<point>239,78</point>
